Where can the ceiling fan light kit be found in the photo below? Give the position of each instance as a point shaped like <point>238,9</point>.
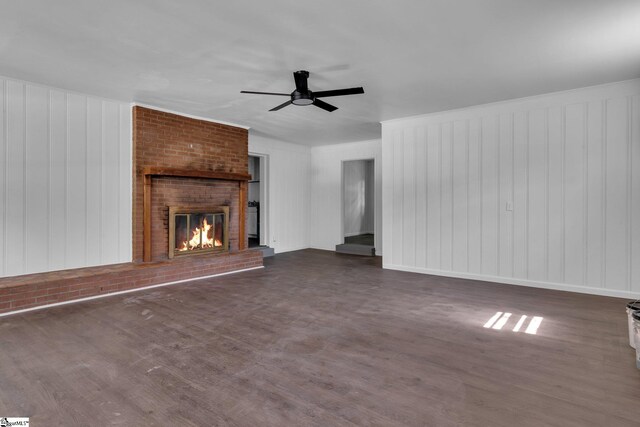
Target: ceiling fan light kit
<point>302,96</point>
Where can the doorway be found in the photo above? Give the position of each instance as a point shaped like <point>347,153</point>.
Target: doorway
<point>255,199</point>
<point>358,207</point>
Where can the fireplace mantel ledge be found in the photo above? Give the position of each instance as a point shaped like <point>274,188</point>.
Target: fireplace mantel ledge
<point>190,173</point>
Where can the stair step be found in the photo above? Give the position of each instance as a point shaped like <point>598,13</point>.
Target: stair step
<point>266,251</point>
<point>353,249</point>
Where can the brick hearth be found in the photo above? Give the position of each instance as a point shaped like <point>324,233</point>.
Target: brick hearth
<point>46,288</point>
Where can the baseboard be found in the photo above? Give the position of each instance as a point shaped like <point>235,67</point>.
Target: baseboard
<point>518,282</point>
<point>127,291</point>
<point>285,250</point>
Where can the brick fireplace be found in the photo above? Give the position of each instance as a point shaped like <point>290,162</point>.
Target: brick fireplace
<point>184,161</point>
<point>178,163</point>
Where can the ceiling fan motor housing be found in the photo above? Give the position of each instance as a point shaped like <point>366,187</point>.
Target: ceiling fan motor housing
<point>299,98</point>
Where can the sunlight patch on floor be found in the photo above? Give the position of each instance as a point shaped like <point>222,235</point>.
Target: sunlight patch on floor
<point>499,320</point>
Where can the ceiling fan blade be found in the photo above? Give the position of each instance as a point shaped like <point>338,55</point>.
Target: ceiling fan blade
<point>339,92</point>
<point>265,93</point>
<point>324,105</point>
<point>301,80</point>
<point>281,106</point>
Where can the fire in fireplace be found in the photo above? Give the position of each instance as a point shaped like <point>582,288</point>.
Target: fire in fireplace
<point>198,230</point>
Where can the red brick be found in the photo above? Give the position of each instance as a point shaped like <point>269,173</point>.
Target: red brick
<point>165,139</point>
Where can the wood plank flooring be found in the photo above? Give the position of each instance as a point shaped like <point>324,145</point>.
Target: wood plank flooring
<point>322,339</point>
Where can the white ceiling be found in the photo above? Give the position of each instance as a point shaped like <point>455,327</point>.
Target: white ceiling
<point>412,57</point>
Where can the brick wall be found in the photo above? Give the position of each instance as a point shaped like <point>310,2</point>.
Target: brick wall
<point>169,140</point>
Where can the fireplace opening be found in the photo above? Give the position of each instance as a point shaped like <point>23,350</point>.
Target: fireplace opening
<point>198,230</point>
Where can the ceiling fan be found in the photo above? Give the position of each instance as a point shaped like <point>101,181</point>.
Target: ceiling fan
<point>303,96</point>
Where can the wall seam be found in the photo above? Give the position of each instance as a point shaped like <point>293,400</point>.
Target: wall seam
<point>453,189</point>
<point>513,193</point>
<point>466,168</point>
<point>86,176</point>
<point>6,174</point>
<point>25,189</point>
<point>498,143</point>
<point>528,190</point>
<point>629,193</point>
<point>66,180</point>
<point>440,183</point>
<point>102,180</point>
<point>546,197</point>
<point>563,192</point>
<point>415,192</point>
<point>481,187</point>
<point>49,237</point>
<point>604,195</point>
<point>426,201</point>
<point>119,201</point>
<point>585,189</point>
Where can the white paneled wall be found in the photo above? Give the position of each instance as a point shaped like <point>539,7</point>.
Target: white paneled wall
<point>325,224</point>
<point>542,191</point>
<point>287,195</point>
<point>65,186</point>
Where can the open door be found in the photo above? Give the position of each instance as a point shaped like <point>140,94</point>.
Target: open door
<point>358,207</point>
<point>257,204</point>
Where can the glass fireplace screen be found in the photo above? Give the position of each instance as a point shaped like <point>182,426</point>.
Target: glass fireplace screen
<point>195,232</point>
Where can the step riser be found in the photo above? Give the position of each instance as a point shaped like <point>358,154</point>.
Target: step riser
<point>351,249</point>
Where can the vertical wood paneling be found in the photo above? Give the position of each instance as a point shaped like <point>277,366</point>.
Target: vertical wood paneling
<point>124,178</point>
<point>15,220</point>
<point>505,267</point>
<point>460,195</point>
<point>594,194</point>
<point>409,197</point>
<point>474,244</point>
<point>489,195</point>
<point>398,198</point>
<point>62,172</point>
<point>94,167</point>
<point>387,185</point>
<point>574,185</point>
<point>57,180</point>
<point>76,181</point>
<point>433,197</point>
<point>555,202</point>
<point>110,188</point>
<point>616,146</point>
<point>521,199</point>
<point>37,179</point>
<point>568,164</point>
<point>537,195</point>
<point>421,197</point>
<point>446,196</point>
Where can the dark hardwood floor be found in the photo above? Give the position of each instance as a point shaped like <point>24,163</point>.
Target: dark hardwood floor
<point>322,339</point>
